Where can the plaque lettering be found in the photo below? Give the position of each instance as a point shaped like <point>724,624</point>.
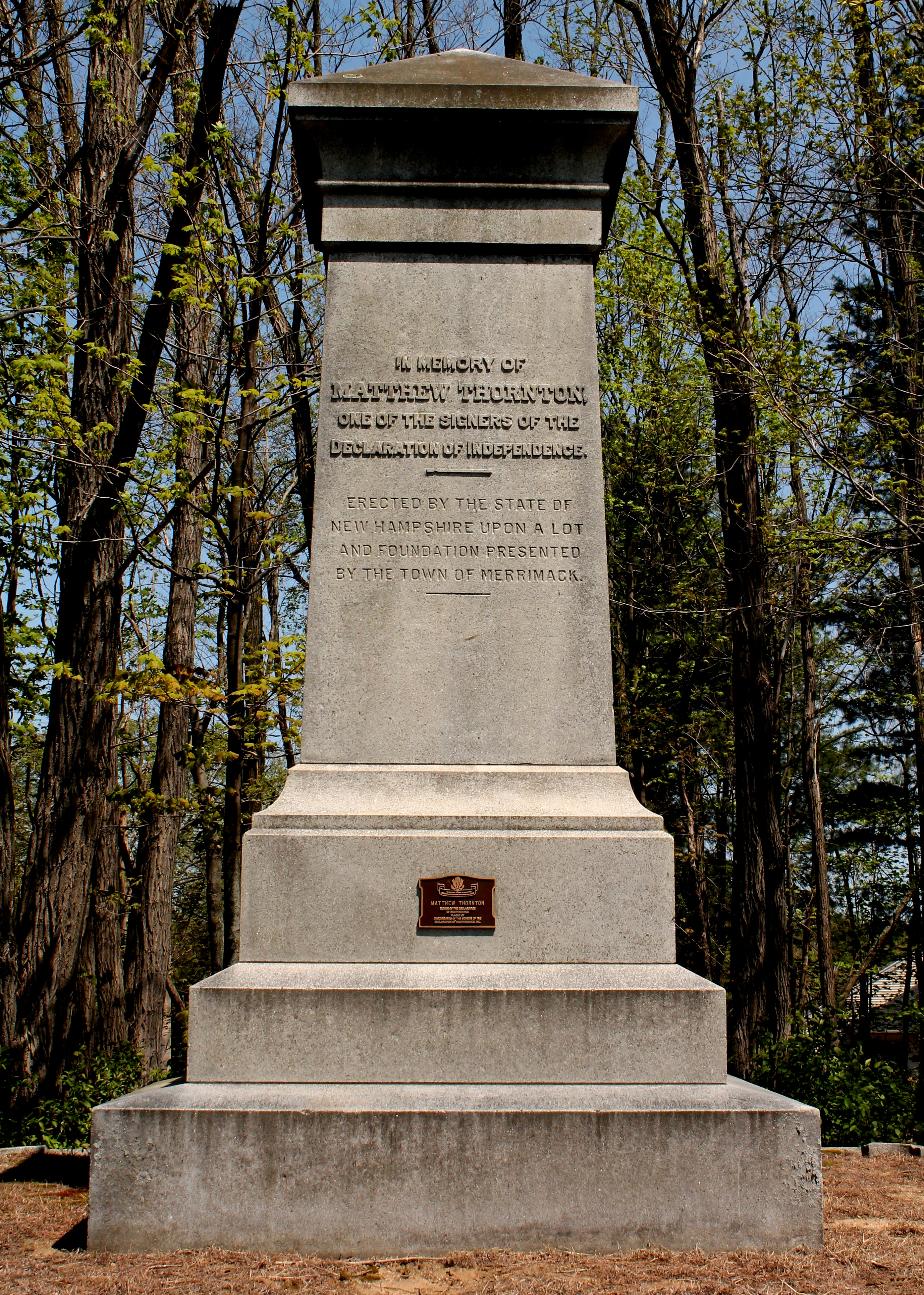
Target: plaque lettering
<point>456,903</point>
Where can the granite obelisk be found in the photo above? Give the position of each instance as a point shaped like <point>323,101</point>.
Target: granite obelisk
<point>458,1020</point>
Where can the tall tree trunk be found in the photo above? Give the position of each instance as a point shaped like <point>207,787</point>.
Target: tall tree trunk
<point>73,873</point>
<point>27,76</point>
<point>811,736</point>
<point>210,845</point>
<point>759,974</point>
<point>429,25</point>
<point>890,201</point>
<point>513,28</point>
<point>244,538</point>
<point>148,938</point>
<point>257,670</point>
<point>282,711</point>
<point>913,946</point>
<point>317,32</point>
<point>410,29</point>
<point>811,726</point>
<point>243,586</point>
<point>722,906</point>
<point>759,944</point>
<point>7,856</point>
<point>71,858</point>
<point>147,954</point>
<point>696,855</point>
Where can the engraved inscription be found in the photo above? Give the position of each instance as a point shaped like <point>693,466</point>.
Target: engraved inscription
<point>517,393</point>
<point>375,449</point>
<point>459,363</point>
<point>473,539</point>
<point>504,539</point>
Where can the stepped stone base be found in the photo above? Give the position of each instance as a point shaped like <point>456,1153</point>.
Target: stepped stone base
<point>583,872</point>
<point>381,1169</point>
<point>436,1023</point>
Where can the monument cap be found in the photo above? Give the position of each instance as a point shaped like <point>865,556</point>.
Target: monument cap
<point>456,132</point>
<point>463,78</point>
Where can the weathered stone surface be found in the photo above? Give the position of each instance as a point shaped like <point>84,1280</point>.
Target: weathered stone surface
<point>344,896</point>
<point>469,797</point>
<point>584,873</point>
<point>891,1149</point>
<point>439,1023</point>
<point>455,611</point>
<point>496,154</point>
<point>388,1169</point>
<point>459,584</point>
<point>463,78</point>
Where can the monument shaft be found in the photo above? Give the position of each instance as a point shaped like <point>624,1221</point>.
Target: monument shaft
<point>458,609</point>
<point>457,1021</point>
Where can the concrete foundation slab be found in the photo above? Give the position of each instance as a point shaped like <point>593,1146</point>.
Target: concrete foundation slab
<point>383,1169</point>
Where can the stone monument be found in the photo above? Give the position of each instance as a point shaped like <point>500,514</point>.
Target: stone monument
<point>457,1020</point>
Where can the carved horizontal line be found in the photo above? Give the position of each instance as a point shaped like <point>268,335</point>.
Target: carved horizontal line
<point>489,186</point>
<point>457,472</point>
<point>459,593</point>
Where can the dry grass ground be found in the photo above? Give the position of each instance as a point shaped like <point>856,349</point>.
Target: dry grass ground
<point>874,1242</point>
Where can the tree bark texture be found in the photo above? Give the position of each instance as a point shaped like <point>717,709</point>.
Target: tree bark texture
<point>243,586</point>
<point>148,937</point>
<point>317,31</point>
<point>696,858</point>
<point>210,844</point>
<point>148,934</point>
<point>71,860</point>
<point>811,736</point>
<point>811,725</point>
<point>429,26</point>
<point>71,911</point>
<point>890,200</point>
<point>7,856</point>
<point>244,537</point>
<point>147,953</point>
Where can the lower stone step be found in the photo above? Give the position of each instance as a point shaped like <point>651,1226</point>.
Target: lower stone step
<point>456,1023</point>
<point>370,1170</point>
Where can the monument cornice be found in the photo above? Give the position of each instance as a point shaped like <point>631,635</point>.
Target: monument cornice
<point>463,79</point>
<point>515,154</point>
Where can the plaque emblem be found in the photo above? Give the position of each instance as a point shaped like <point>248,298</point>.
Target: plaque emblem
<point>456,903</point>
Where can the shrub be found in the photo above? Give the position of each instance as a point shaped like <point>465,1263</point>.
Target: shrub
<point>62,1118</point>
<point>861,1099</point>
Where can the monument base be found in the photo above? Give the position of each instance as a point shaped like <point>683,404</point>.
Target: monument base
<point>369,1170</point>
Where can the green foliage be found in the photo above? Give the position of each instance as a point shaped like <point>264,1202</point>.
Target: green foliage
<point>670,643</point>
<point>62,1119</point>
<point>792,160</point>
<point>861,1099</point>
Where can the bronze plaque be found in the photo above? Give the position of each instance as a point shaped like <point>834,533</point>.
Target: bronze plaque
<point>456,903</point>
